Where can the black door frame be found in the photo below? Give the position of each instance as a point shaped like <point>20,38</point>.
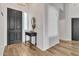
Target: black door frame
<point>7,25</point>
<point>71,28</point>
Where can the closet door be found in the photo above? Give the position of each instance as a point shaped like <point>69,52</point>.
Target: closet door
<point>18,26</point>
<point>14,26</point>
<point>75,29</point>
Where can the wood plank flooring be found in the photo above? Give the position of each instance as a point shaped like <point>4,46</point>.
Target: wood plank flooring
<point>62,49</point>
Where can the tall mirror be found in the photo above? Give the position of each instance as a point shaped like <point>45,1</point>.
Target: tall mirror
<point>33,23</point>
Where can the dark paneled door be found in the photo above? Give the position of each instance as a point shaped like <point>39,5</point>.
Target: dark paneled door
<point>14,26</point>
<point>75,29</point>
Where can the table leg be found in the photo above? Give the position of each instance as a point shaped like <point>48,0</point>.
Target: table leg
<point>35,40</point>
<point>30,41</point>
<point>25,39</point>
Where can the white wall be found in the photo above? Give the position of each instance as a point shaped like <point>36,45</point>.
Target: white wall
<point>1,32</point>
<point>3,24</point>
<point>51,35</point>
<point>61,20</point>
<point>62,29</point>
<point>59,6</point>
<point>59,10</point>
<point>53,17</point>
<point>37,11</point>
<point>62,26</point>
<point>72,11</point>
<point>52,21</point>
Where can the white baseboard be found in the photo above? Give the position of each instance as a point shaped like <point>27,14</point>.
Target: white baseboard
<point>66,39</point>
<point>57,42</point>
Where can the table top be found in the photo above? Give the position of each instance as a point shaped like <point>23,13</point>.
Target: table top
<point>31,33</point>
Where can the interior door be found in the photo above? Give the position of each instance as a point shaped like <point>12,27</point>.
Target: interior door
<point>14,26</point>
<point>75,29</point>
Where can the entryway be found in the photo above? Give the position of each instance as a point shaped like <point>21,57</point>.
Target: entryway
<point>14,26</point>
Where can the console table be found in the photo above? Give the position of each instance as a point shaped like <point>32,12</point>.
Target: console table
<point>31,34</point>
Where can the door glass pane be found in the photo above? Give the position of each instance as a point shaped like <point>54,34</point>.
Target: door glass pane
<point>18,36</point>
<point>12,36</point>
<point>18,22</point>
<point>11,22</point>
